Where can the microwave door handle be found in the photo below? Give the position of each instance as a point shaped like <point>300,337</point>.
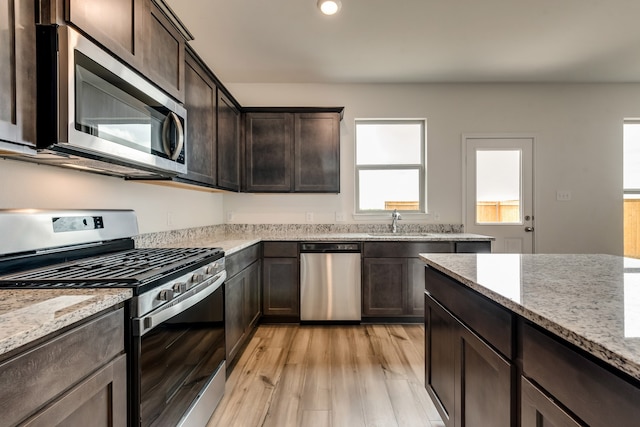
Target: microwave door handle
<point>165,135</point>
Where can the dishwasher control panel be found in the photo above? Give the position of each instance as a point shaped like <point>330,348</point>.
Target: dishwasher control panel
<point>330,247</point>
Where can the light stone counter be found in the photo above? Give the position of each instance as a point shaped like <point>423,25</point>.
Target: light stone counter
<point>592,301</point>
<point>232,238</point>
<point>28,314</point>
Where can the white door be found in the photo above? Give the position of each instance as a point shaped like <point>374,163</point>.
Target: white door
<point>498,198</point>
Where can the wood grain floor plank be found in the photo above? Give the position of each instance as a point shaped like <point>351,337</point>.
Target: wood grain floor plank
<point>329,376</point>
<point>316,394</point>
<point>346,400</point>
<point>316,419</point>
<point>285,407</point>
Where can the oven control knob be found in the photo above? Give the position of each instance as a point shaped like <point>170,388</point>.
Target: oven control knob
<point>179,288</point>
<point>212,268</point>
<point>165,295</point>
<point>197,278</point>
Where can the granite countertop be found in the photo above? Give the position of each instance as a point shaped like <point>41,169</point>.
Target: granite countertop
<point>232,243</point>
<point>592,301</point>
<point>26,315</point>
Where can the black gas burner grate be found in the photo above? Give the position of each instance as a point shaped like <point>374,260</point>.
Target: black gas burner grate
<point>121,269</point>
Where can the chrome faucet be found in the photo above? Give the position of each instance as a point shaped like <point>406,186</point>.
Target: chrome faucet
<point>395,216</point>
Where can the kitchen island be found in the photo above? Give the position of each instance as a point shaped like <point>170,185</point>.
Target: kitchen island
<point>530,339</point>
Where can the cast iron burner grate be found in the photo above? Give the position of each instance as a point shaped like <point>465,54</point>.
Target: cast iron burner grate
<point>121,269</point>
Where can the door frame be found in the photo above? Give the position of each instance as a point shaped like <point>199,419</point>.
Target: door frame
<point>500,135</point>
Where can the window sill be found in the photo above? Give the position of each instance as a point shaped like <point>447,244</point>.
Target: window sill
<point>408,217</point>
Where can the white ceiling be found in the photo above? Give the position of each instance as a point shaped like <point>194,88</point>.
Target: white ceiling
<point>415,41</point>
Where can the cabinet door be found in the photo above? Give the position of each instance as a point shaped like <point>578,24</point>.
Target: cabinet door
<point>18,76</point>
<point>384,287</point>
<point>415,284</point>
<point>252,310</point>
<point>483,379</point>
<point>280,288</point>
<point>228,144</point>
<point>269,152</point>
<point>200,102</point>
<point>116,24</point>
<point>100,400</point>
<point>539,410</point>
<point>234,327</point>
<point>440,341</point>
<point>164,56</point>
<point>317,152</point>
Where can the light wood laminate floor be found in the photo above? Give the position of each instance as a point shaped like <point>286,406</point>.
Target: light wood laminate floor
<point>337,376</point>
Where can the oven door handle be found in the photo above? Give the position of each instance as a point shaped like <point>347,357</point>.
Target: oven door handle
<point>182,303</point>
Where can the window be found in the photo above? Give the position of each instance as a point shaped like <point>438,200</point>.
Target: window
<point>631,184</point>
<point>390,165</point>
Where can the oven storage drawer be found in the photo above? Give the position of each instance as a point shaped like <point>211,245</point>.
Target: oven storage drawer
<point>40,375</point>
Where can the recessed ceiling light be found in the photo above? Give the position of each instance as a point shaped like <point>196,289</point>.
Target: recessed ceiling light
<point>329,7</point>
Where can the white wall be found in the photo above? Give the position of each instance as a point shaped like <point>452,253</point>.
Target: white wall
<point>578,130</point>
<point>26,185</point>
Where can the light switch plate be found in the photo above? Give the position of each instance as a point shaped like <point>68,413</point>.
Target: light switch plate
<point>563,195</point>
<point>340,217</point>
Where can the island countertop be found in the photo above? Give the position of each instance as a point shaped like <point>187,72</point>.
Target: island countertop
<point>592,301</point>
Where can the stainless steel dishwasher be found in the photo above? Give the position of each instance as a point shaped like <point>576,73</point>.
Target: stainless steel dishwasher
<point>330,282</point>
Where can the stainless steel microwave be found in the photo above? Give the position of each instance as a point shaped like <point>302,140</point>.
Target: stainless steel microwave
<point>95,113</point>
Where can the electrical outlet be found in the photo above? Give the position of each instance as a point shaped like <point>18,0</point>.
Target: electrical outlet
<point>309,216</point>
<point>563,195</point>
<point>340,217</point>
<point>230,216</point>
<point>169,219</point>
<point>436,216</point>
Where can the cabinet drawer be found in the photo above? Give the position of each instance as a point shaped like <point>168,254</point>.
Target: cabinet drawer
<point>240,260</point>
<point>473,247</point>
<point>280,249</point>
<point>484,317</point>
<point>594,394</point>
<point>30,380</point>
<point>403,249</point>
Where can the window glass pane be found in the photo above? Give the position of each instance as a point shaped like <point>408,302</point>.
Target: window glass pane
<point>498,186</point>
<point>389,189</point>
<point>388,143</point>
<point>631,167</point>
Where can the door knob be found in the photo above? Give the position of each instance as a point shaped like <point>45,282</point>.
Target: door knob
<point>528,229</point>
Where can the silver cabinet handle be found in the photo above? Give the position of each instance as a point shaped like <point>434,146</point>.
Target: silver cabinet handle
<point>528,229</point>
<point>165,135</point>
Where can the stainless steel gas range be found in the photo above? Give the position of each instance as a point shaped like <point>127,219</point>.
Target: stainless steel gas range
<point>176,347</point>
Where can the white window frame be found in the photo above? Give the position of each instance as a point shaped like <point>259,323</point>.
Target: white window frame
<point>421,167</point>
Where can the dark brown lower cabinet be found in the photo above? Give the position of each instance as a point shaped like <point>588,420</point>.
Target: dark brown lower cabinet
<point>281,292</point>
<point>77,378</point>
<point>537,409</point>
<point>393,279</point>
<point>477,352</point>
<point>469,382</point>
<point>280,282</point>
<point>242,308</point>
<point>593,394</point>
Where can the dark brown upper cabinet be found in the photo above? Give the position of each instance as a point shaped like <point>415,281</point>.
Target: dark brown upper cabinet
<point>17,79</point>
<point>118,25</point>
<point>269,152</point>
<point>317,153</point>
<point>164,60</point>
<point>143,33</point>
<point>228,143</point>
<point>200,102</point>
<point>213,129</point>
<point>292,150</point>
